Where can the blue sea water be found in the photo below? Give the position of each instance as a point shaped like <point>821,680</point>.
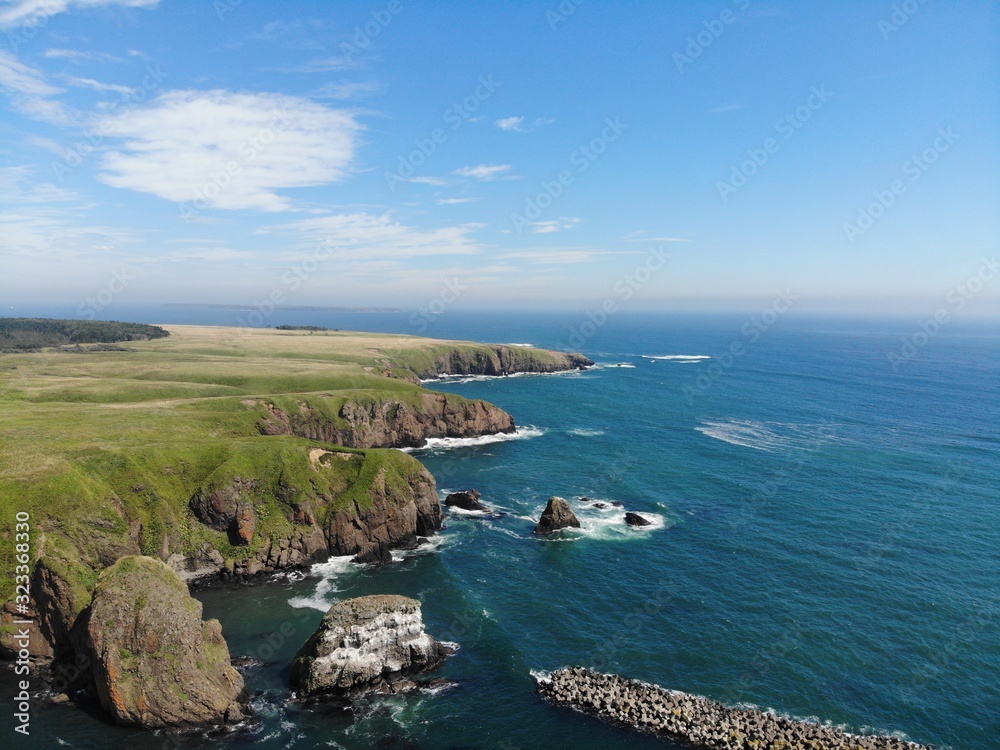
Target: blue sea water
<point>825,540</point>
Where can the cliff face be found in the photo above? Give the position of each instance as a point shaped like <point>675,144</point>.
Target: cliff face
<point>497,359</point>
<point>388,422</point>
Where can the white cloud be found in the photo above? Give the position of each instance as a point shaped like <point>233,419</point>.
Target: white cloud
<point>520,125</point>
<point>559,255</point>
<point>90,83</point>
<point>435,181</point>
<point>484,171</point>
<point>643,235</point>
<point>369,236</point>
<point>75,56</point>
<point>19,78</point>
<point>726,108</point>
<point>510,123</point>
<point>225,150</point>
<point>556,225</point>
<point>24,12</point>
<point>455,201</point>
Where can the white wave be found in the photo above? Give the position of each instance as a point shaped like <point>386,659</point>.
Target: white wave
<point>677,357</point>
<point>627,365</point>
<point>328,572</point>
<point>541,675</point>
<point>604,523</point>
<point>437,444</point>
<point>765,436</point>
<point>433,544</point>
<point>529,346</point>
<point>459,379</point>
<point>585,432</point>
<point>456,511</point>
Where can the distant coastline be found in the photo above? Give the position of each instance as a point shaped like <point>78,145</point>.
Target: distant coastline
<point>283,308</point>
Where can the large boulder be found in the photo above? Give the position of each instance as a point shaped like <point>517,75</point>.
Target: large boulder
<point>557,515</point>
<point>466,500</point>
<point>156,663</point>
<point>365,645</point>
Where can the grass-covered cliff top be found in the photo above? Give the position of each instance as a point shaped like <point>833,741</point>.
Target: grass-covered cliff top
<point>105,449</point>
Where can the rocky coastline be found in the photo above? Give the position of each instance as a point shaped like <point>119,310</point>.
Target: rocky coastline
<point>695,720</point>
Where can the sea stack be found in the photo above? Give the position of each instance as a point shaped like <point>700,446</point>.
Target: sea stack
<point>156,663</point>
<point>371,644</point>
<point>557,515</point>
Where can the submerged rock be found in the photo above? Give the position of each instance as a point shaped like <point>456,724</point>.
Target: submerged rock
<point>467,500</point>
<point>634,519</point>
<point>374,553</point>
<point>156,663</point>
<point>365,645</point>
<point>557,515</point>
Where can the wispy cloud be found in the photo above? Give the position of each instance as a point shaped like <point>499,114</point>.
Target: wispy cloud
<point>365,235</point>
<point>76,56</point>
<point>455,201</point>
<point>726,108</point>
<point>520,124</point>
<point>187,141</point>
<point>29,92</point>
<point>643,235</point>
<point>484,171</point>
<point>558,255</point>
<point>555,225</point>
<point>316,65</point>
<point>22,12</point>
<point>90,83</point>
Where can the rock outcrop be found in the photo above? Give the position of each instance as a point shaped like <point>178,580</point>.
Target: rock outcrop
<point>363,645</point>
<point>634,519</point>
<point>466,500</point>
<point>694,720</point>
<point>557,515</point>
<point>155,662</point>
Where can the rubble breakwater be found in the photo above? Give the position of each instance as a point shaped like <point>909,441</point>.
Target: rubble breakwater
<point>696,720</point>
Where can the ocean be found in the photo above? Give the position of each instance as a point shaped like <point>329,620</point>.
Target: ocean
<point>825,538</point>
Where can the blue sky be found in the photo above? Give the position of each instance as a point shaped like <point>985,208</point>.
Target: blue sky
<point>695,155</point>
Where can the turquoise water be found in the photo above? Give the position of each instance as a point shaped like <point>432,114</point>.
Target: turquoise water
<point>826,543</point>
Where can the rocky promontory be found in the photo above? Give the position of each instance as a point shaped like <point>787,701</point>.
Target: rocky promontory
<point>155,662</point>
<point>695,720</point>
<point>500,359</point>
<point>365,645</point>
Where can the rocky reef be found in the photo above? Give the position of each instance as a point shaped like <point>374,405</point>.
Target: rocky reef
<point>155,662</point>
<point>557,515</point>
<point>365,645</point>
<point>466,500</point>
<point>695,720</point>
